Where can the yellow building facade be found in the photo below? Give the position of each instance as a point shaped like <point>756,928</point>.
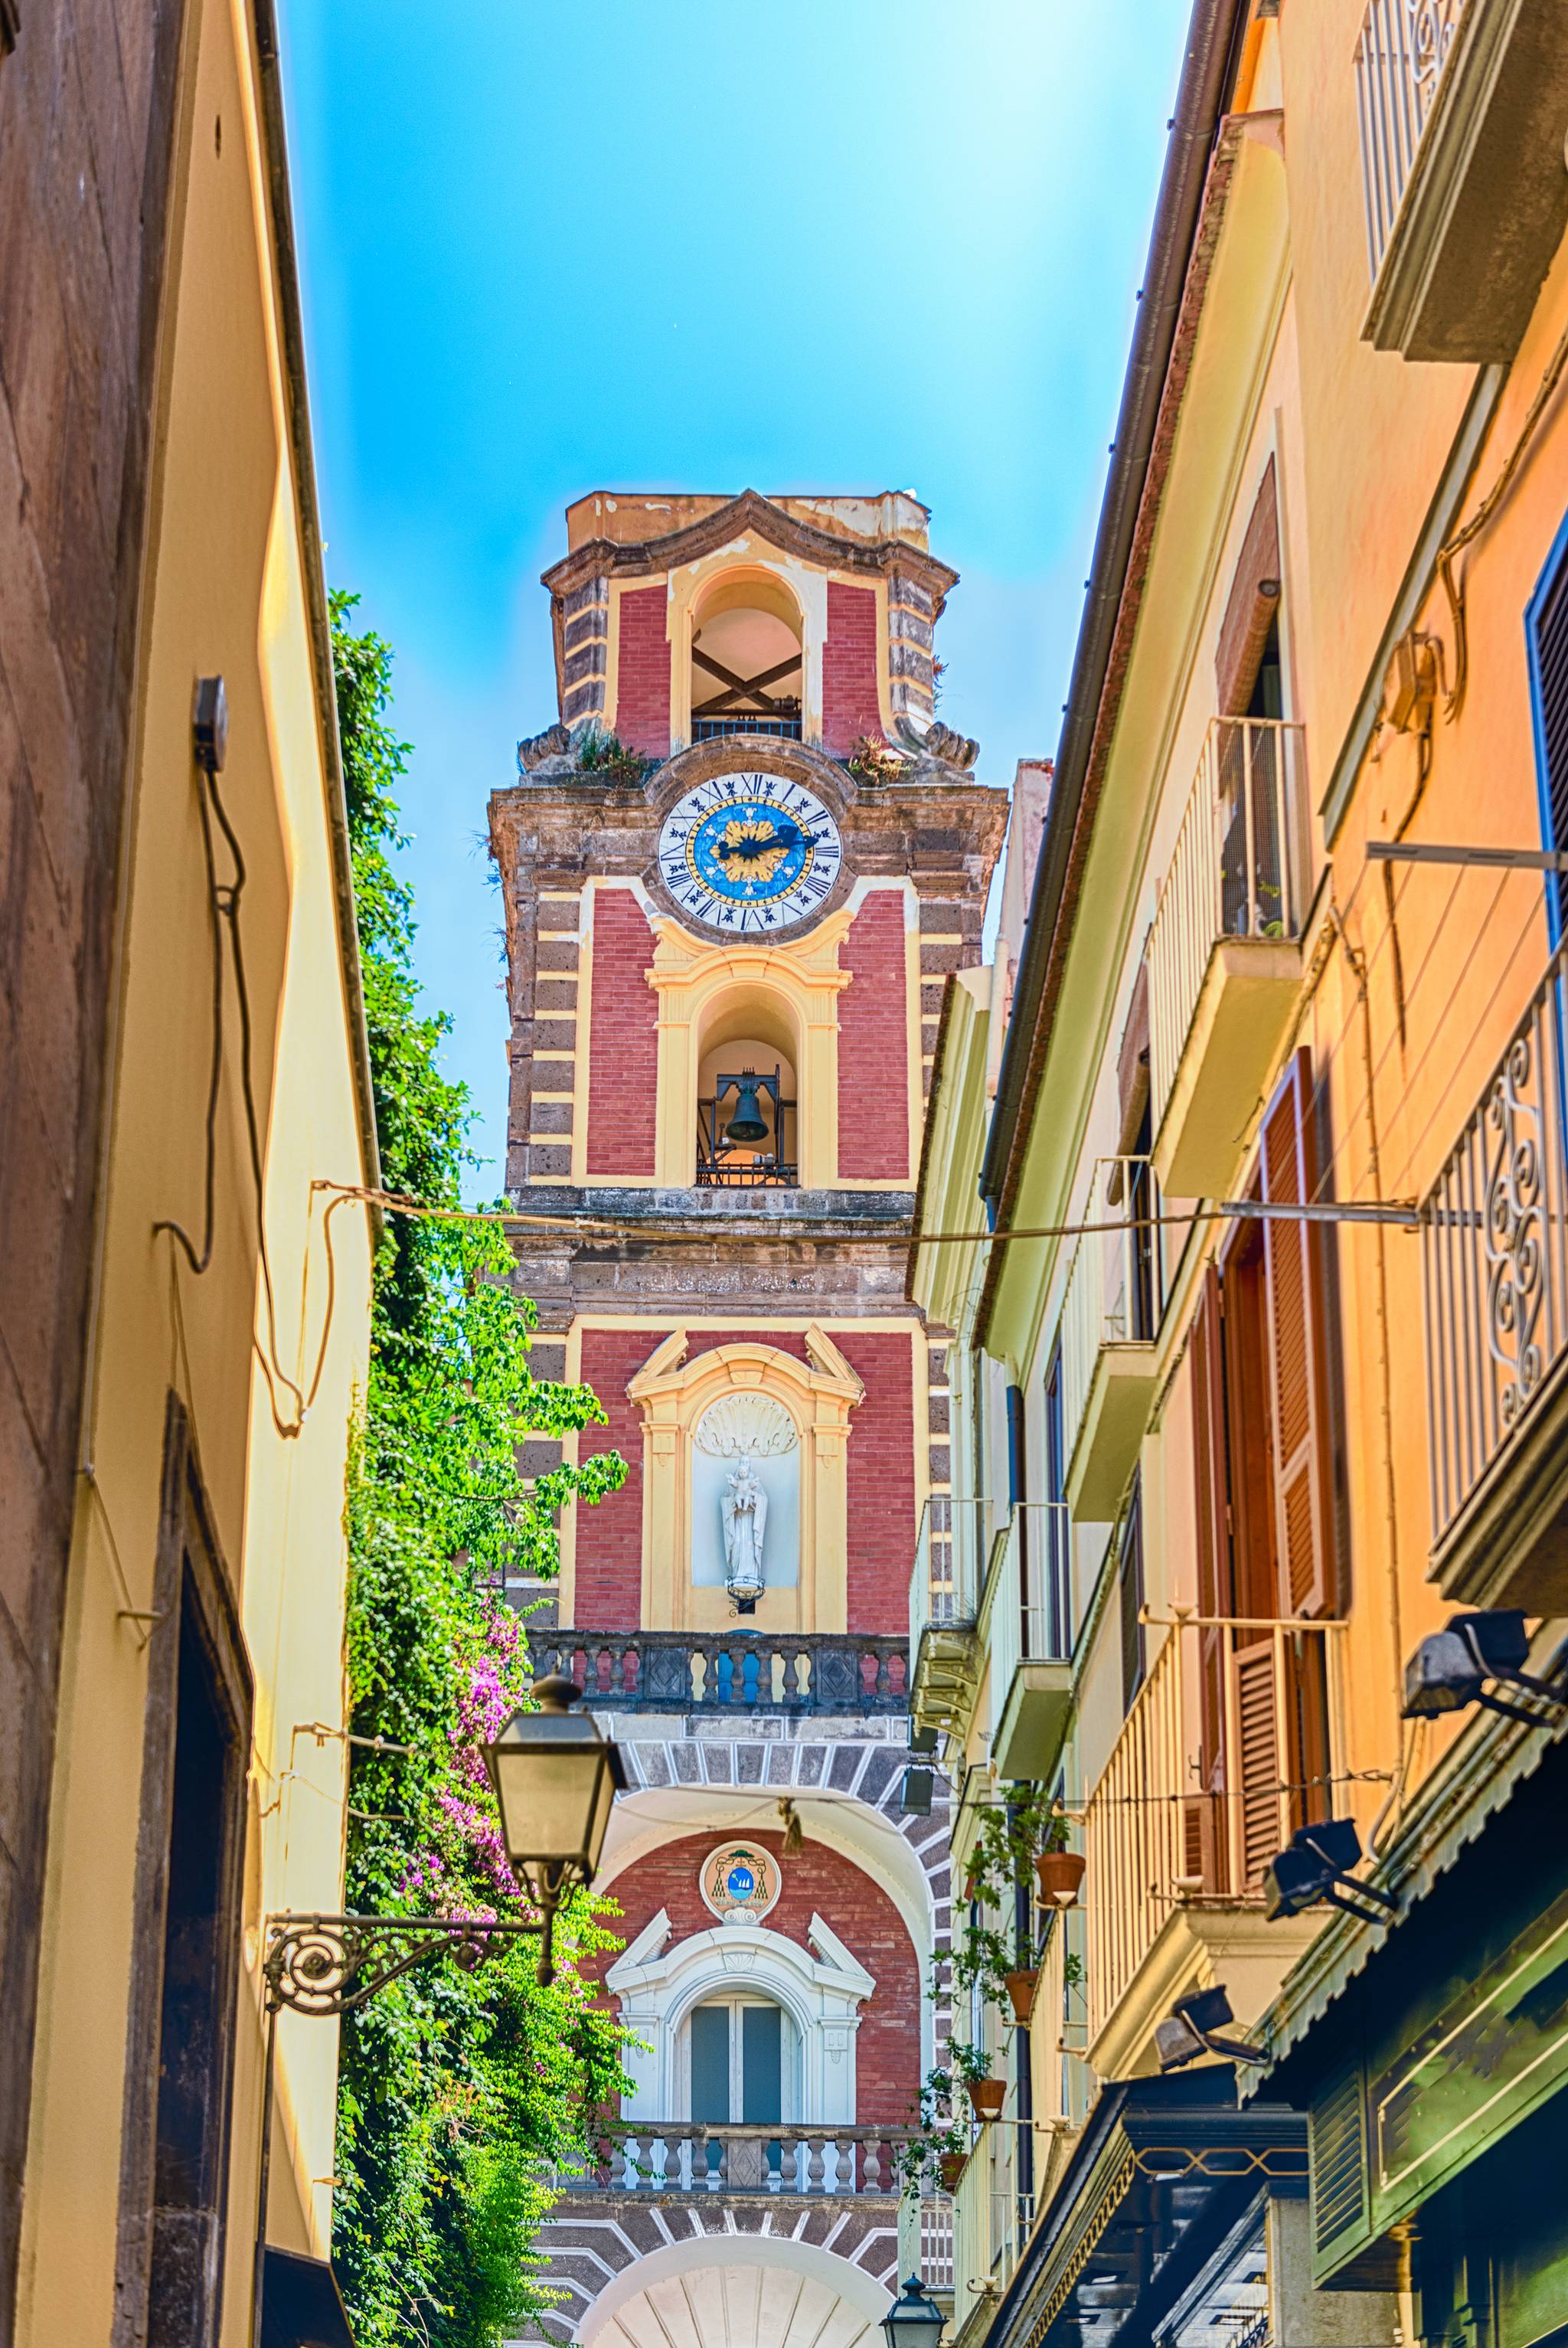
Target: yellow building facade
<point>199,1771</point>
<point>1255,1382</point>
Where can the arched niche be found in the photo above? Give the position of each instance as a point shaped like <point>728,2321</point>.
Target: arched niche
<point>749,1029</point>
<point>717,998</point>
<point>820,1988</point>
<point>675,1395</point>
<point>746,658</point>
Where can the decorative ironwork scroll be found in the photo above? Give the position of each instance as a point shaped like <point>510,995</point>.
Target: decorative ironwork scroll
<point>1515,1286</point>
<point>331,1964</point>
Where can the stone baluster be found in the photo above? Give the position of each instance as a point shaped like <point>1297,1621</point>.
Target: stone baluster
<point>816,2165</point>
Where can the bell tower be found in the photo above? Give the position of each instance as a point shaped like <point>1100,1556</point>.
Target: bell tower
<point>738,871</point>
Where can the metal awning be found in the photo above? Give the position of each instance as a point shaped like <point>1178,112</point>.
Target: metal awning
<point>302,2306</point>
<point>1163,2171</point>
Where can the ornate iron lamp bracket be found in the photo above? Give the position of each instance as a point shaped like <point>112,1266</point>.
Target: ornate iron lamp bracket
<point>331,1964</point>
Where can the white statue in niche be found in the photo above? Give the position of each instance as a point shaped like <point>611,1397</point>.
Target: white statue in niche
<point>745,1493</point>
<point>744,1508</point>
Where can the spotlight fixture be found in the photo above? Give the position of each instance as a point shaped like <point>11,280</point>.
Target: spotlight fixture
<point>915,1795</point>
<point>1315,1865</point>
<point>1449,1669</point>
<point>1193,2027</point>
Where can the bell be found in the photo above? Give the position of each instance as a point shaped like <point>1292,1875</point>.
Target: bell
<point>747,1124</point>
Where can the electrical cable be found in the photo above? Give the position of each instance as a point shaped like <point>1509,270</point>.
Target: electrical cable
<point>228,899</point>
<point>198,1264</point>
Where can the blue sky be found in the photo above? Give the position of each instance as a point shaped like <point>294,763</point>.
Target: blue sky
<point>836,244</point>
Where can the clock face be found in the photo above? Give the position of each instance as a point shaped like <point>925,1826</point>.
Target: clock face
<point>748,852</point>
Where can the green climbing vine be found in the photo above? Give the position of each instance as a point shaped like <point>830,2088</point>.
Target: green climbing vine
<point>460,2094</point>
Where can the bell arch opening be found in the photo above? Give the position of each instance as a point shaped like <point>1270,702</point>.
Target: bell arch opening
<point>747,669</point>
<point>748,1100</point>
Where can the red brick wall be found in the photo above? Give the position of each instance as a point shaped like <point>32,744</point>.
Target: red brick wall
<point>642,672</point>
<point>623,1039</point>
<point>849,703</point>
<point>874,1045</point>
<point>816,1881</point>
<point>881,1479</point>
<point>880,1474</point>
<point>609,1535</point>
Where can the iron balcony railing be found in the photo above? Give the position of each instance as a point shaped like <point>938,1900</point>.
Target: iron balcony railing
<point>1495,1256</point>
<point>718,729</point>
<point>1231,1743</point>
<point>1115,1283</point>
<point>803,1672</point>
<point>1399,60</point>
<point>682,2156</point>
<point>726,1165</point>
<point>1239,869</point>
<point>1030,1592</point>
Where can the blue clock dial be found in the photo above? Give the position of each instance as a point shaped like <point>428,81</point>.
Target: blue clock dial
<point>749,852</point>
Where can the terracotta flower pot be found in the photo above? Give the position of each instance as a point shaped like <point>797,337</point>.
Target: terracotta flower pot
<point>1020,1987</point>
<point>988,2097</point>
<point>1059,1873</point>
<point>951,2167</point>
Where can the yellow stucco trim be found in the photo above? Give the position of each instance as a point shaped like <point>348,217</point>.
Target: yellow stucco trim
<point>673,1394</point>
<point>695,981</point>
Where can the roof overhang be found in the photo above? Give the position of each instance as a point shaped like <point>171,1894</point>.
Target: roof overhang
<point>1163,2173</point>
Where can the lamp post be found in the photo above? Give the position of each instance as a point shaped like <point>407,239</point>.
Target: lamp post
<point>914,2320</point>
<point>556,1775</point>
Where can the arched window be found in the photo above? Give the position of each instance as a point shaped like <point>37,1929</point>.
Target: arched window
<point>748,1126</point>
<point>743,2059</point>
<point>746,672</point>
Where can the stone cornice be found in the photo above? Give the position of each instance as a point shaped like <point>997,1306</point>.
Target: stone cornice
<point>608,557</point>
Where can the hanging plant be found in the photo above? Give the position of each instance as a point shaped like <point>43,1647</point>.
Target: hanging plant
<point>942,2146</point>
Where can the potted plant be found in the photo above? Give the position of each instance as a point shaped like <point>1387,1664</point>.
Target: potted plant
<point>1059,1871</point>
<point>1019,1985</point>
<point>943,2143</point>
<point>973,2068</point>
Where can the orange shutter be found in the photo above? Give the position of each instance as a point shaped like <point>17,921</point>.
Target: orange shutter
<point>1257,1788</point>
<point>1205,1814</point>
<point>1299,1432</point>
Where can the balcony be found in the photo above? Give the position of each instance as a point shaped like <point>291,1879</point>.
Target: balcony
<point>679,2158</point>
<point>1224,951</point>
<point>1495,1277</point>
<point>720,729</point>
<point>1460,106</point>
<point>1229,1745</point>
<point>1110,1318</point>
<point>808,1673</point>
<point>944,1584</point>
<point>1027,1614</point>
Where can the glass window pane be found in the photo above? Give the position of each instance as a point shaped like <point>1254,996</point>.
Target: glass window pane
<point>761,2056</point>
<point>710,2064</point>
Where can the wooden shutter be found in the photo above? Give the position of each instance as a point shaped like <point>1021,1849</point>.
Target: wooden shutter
<point>1300,1437</point>
<point>1257,1824</point>
<point>1549,666</point>
<point>1205,1811</point>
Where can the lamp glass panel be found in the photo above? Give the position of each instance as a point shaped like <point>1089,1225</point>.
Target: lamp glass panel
<point>549,1799</point>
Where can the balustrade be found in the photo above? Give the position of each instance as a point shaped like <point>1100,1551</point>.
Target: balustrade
<point>1228,1747</point>
<point>1238,870</point>
<point>676,2156</point>
<point>681,1670</point>
<point>1399,60</point>
<point>1495,1261</point>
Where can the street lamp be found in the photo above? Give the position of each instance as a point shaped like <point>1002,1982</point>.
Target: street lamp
<point>914,2320</point>
<point>556,1775</point>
